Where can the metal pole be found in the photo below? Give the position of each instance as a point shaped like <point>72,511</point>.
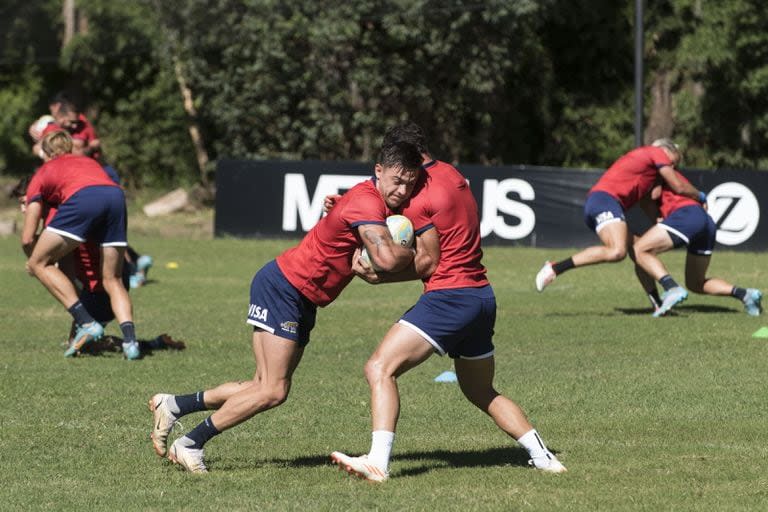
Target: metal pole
<point>639,36</point>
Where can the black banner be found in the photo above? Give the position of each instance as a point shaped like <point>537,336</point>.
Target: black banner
<point>519,205</point>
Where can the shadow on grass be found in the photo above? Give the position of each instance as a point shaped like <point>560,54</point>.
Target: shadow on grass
<point>690,308</point>
<point>511,455</point>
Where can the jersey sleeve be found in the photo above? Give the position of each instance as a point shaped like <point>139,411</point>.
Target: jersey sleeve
<point>365,207</point>
<point>35,187</point>
<point>659,158</point>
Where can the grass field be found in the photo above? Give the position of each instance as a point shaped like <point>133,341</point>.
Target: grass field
<point>647,414</point>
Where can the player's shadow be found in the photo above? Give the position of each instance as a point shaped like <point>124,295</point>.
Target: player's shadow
<point>511,455</point>
<point>689,308</point>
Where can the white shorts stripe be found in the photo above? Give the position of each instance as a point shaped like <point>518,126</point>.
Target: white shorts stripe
<point>260,325</point>
<point>481,356</point>
<point>65,234</point>
<point>423,335</point>
<point>676,232</point>
<point>115,244</point>
<point>605,223</point>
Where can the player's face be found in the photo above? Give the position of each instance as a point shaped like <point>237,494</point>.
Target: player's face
<point>68,120</point>
<point>395,184</point>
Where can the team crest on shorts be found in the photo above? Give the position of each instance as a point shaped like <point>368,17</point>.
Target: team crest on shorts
<point>290,327</point>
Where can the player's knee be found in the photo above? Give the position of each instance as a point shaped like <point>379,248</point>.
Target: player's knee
<point>276,395</point>
<point>615,254</point>
<point>375,370</point>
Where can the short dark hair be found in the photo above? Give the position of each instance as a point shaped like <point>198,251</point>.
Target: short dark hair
<point>398,153</point>
<point>408,131</point>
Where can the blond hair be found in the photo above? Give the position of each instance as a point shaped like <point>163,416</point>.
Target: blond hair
<point>669,146</point>
<point>56,144</point>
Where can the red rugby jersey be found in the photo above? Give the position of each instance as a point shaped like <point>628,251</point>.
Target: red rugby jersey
<point>670,201</point>
<point>320,267</point>
<point>446,203</point>
<point>633,175</point>
<point>58,179</point>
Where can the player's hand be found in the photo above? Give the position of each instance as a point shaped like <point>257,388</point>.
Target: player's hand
<point>364,270</point>
<point>330,201</point>
<point>27,269</point>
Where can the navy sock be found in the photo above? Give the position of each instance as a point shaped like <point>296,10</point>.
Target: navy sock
<point>667,282</point>
<point>129,332</point>
<point>202,433</point>
<point>190,403</point>
<point>739,293</point>
<point>80,314</point>
<point>562,266</point>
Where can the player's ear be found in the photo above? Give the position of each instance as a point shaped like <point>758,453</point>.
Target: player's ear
<point>378,170</point>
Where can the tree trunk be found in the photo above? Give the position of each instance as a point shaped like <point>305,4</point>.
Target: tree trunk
<point>661,122</point>
<point>194,129</point>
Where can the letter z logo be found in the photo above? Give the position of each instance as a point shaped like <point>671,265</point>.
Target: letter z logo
<point>735,210</point>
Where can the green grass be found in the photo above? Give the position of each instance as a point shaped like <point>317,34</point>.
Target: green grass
<point>647,414</point>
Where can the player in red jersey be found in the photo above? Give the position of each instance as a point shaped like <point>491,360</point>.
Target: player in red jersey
<point>285,295</point>
<point>455,316</point>
<point>89,206</point>
<point>623,185</point>
<point>685,222</point>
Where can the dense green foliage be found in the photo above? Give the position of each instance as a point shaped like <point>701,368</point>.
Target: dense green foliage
<point>647,414</point>
<point>499,81</point>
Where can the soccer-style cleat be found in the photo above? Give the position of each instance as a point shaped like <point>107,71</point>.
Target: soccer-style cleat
<point>545,276</point>
<point>360,467</point>
<point>548,463</point>
<point>131,350</point>
<point>190,459</point>
<point>144,263</point>
<point>85,334</point>
<point>136,280</point>
<point>752,304</point>
<point>163,423</point>
<point>669,299</point>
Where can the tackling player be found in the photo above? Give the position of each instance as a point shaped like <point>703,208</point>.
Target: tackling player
<point>89,206</point>
<point>622,186</point>
<point>686,222</point>
<point>285,295</point>
<point>445,218</point>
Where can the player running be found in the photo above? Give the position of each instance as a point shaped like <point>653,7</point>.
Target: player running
<point>622,186</point>
<point>445,218</point>
<point>685,222</point>
<point>285,295</point>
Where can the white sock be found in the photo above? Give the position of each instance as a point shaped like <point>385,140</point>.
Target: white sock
<point>532,442</point>
<point>381,448</point>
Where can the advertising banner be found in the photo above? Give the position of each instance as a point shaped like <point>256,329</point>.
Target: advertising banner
<point>519,205</point>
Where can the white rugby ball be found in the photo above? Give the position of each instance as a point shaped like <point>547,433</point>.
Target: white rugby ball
<point>401,230</point>
<point>39,125</point>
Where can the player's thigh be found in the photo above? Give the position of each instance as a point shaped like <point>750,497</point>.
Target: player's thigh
<point>401,349</point>
<point>655,240</point>
<point>112,258</point>
<point>276,357</point>
<point>475,376</point>
<point>614,235</point>
<point>51,247</point>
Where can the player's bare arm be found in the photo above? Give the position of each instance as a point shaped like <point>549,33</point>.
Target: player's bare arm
<point>382,249</point>
<point>423,265</point>
<point>32,217</point>
<point>679,186</point>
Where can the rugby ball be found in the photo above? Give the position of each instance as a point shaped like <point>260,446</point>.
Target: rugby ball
<point>36,130</point>
<point>401,230</point>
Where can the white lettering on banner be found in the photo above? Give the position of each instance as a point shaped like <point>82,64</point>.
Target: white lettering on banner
<point>296,203</point>
<point>735,210</point>
<point>496,199</point>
